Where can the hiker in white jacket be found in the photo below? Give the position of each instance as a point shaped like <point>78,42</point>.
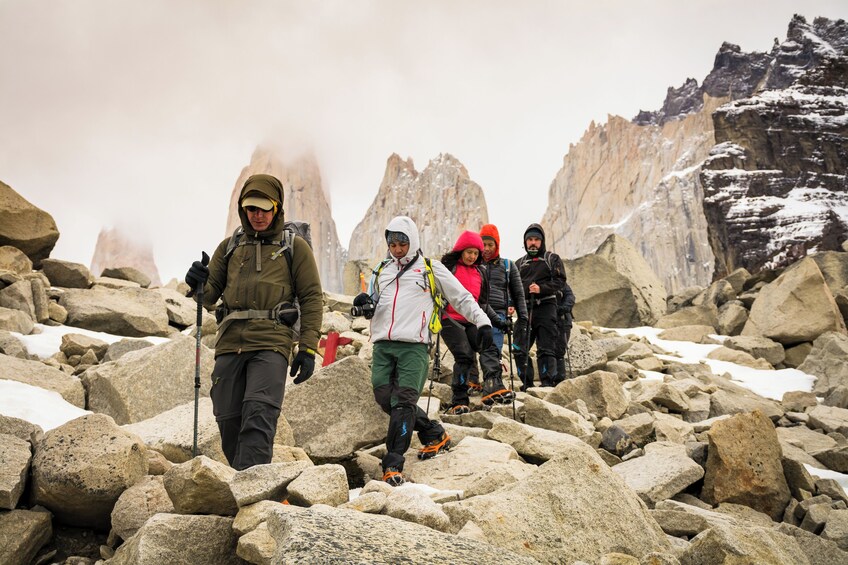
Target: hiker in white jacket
<point>401,305</point>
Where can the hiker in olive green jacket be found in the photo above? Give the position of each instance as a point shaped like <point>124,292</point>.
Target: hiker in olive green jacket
<point>257,275</point>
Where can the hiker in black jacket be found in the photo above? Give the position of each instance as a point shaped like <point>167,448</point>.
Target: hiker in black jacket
<point>565,321</point>
<point>543,278</point>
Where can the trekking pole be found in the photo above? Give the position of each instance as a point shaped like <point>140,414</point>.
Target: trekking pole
<point>199,293</point>
<point>527,342</point>
<point>568,356</point>
<point>509,349</point>
<point>437,369</point>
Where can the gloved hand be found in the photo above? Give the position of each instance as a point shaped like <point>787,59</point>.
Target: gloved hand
<point>304,362</point>
<point>484,338</point>
<point>198,273</point>
<point>498,323</point>
<point>361,299</point>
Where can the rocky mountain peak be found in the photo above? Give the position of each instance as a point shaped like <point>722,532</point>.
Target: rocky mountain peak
<point>306,199</point>
<point>443,185</point>
<point>116,249</point>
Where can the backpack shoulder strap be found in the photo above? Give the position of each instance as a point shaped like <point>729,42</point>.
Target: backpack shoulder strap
<point>234,242</point>
<point>507,264</point>
<point>435,323</point>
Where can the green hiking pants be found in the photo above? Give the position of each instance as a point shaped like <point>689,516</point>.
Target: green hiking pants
<point>398,371</point>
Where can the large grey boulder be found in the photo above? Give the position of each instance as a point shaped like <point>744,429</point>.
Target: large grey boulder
<point>16,455</point>
<point>648,291</point>
<point>322,484</point>
<point>18,296</point>
<point>834,268</point>
<point>702,315</point>
<point>13,320</point>
<point>36,373</point>
<point>82,467</point>
<point>25,226</point>
<point>461,467</point>
<point>600,390</point>
<point>744,465</point>
<point>585,354</point>
<point>661,473</point>
<point>171,433</point>
<point>322,534</point>
<point>829,418</point>
<point>541,414</point>
<point>603,294</point>
<point>818,550</point>
<point>14,260</point>
<point>759,347</point>
<point>317,428</point>
<point>66,274</point>
<point>556,514</point>
<point>182,311</point>
<point>145,383</point>
<point>201,486</point>
<point>127,274</point>
<point>534,444</point>
<point>131,312</point>
<point>828,362</point>
<point>187,540</point>
<point>138,503</point>
<point>267,482</point>
<point>22,534</point>
<point>724,544</point>
<point>795,307</point>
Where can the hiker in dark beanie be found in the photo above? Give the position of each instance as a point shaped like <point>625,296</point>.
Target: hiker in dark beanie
<point>257,280</point>
<point>543,278</point>
<point>460,335</point>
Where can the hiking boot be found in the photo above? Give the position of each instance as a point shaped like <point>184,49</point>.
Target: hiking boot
<point>458,409</point>
<point>496,392</point>
<point>393,477</point>
<point>474,388</point>
<point>433,448</point>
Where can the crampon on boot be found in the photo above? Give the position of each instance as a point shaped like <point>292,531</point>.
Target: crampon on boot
<point>433,448</point>
<point>496,393</point>
<point>474,388</point>
<point>393,477</point>
<point>458,409</point>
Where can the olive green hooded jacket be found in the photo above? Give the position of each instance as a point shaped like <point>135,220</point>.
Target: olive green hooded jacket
<point>257,277</point>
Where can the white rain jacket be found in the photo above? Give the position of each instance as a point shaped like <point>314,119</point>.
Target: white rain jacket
<point>404,303</point>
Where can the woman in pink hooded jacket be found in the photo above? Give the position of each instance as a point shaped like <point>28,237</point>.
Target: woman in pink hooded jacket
<point>465,262</point>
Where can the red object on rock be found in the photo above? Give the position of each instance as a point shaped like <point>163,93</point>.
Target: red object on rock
<point>330,344</point>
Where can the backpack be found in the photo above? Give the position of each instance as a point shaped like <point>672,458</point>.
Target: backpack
<point>286,243</point>
<point>548,259</point>
<point>439,302</point>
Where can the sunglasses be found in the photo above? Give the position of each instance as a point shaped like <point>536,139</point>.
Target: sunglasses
<point>255,209</point>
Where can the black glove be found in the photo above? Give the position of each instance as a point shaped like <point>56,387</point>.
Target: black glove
<point>361,299</point>
<point>198,274</point>
<point>498,323</point>
<point>305,362</point>
<point>484,338</point>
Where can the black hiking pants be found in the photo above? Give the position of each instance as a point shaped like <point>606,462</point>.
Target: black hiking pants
<point>564,324</point>
<point>461,339</point>
<point>247,394</point>
<point>543,332</point>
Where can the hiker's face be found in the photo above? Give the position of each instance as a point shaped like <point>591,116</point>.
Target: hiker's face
<point>489,249</point>
<point>259,219</point>
<point>469,256</point>
<point>534,243</point>
<point>398,250</point>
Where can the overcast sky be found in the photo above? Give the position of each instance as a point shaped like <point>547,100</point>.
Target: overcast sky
<point>141,115</point>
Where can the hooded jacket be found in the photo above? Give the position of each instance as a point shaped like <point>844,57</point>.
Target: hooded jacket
<point>401,292</point>
<point>535,269</point>
<point>472,277</point>
<point>256,277</point>
<point>503,294</point>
